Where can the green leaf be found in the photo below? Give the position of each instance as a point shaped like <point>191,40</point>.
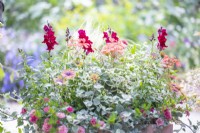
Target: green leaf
<point>19,130</point>
<point>133,49</point>
<point>112,118</point>
<point>1,73</point>
<point>1,129</point>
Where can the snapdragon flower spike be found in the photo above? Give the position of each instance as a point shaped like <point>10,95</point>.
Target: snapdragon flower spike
<point>161,38</point>
<point>49,37</point>
<point>110,38</point>
<point>85,40</point>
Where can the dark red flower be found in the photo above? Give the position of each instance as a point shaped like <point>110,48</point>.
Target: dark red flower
<point>85,39</point>
<point>49,37</point>
<point>187,113</point>
<point>162,39</point>
<point>112,36</point>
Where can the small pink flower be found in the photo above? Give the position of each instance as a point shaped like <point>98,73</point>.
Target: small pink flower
<point>159,122</point>
<point>46,126</point>
<point>187,113</point>
<point>62,129</point>
<point>81,130</point>
<point>32,113</point>
<point>23,111</point>
<point>60,115</point>
<point>167,114</point>
<point>102,124</point>
<point>46,99</point>
<point>59,80</point>
<point>46,109</point>
<point>93,121</point>
<point>33,119</point>
<point>70,109</point>
<point>69,74</point>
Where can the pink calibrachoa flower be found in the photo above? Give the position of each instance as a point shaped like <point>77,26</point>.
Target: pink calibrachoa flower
<point>70,109</point>
<point>46,126</point>
<point>167,114</point>
<point>170,62</point>
<point>33,119</point>
<point>46,99</point>
<point>93,121</point>
<point>23,111</point>
<point>62,129</point>
<point>81,130</point>
<point>60,115</point>
<point>161,39</point>
<point>46,109</point>
<point>102,124</point>
<point>159,122</point>
<point>68,74</point>
<point>49,37</point>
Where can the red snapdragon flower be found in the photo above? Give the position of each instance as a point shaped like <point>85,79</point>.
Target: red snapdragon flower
<point>161,38</point>
<point>49,37</point>
<point>85,40</point>
<point>112,38</point>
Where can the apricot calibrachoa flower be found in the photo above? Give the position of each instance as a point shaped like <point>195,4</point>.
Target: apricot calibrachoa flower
<point>114,46</point>
<point>161,38</point>
<point>49,37</point>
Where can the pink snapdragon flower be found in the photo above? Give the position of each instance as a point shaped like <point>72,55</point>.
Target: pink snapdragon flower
<point>46,109</point>
<point>159,122</point>
<point>93,121</point>
<point>62,129</point>
<point>46,126</point>
<point>23,111</point>
<point>81,130</point>
<point>60,115</point>
<point>167,114</point>
<point>70,109</point>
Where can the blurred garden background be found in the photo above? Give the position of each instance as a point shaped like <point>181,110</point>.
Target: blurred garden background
<point>136,20</point>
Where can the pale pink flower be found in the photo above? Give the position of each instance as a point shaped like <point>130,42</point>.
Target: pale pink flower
<point>60,115</point>
<point>114,48</point>
<point>46,99</point>
<point>32,112</point>
<point>70,109</point>
<point>62,129</point>
<point>159,122</point>
<point>81,130</point>
<point>102,124</point>
<point>93,121</point>
<point>46,109</point>
<point>68,74</point>
<point>46,126</point>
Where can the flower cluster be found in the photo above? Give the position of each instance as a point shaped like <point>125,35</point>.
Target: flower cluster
<point>49,37</point>
<point>114,46</point>
<point>117,92</point>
